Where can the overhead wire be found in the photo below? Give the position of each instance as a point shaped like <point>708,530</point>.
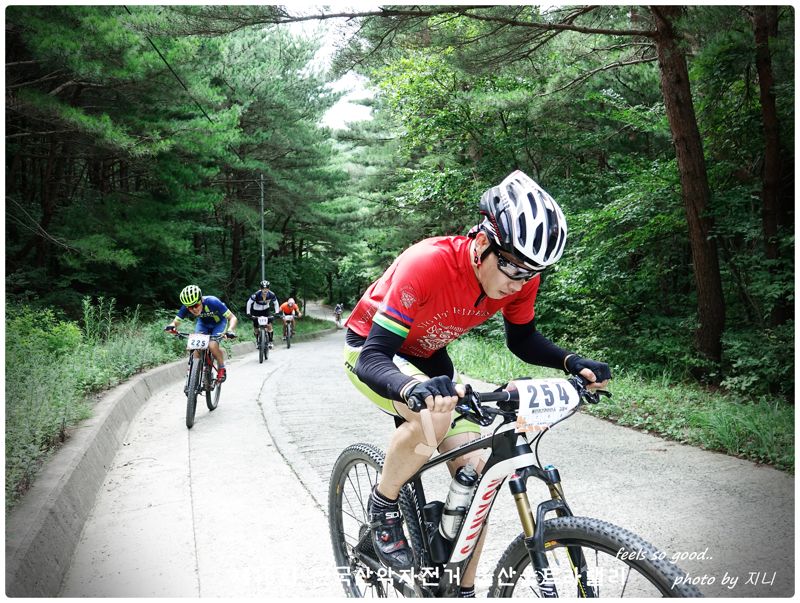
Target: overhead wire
<point>180,81</point>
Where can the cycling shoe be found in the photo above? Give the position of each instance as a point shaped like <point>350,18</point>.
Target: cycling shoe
<point>388,538</point>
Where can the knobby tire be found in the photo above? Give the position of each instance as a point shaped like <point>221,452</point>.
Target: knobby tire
<point>355,473</point>
<point>609,553</point>
<point>191,394</point>
<point>213,389</point>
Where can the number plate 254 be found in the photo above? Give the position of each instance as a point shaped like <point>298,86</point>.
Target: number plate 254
<point>542,402</point>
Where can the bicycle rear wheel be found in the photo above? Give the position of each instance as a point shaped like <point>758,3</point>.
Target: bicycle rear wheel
<point>355,473</point>
<point>614,563</point>
<point>191,393</point>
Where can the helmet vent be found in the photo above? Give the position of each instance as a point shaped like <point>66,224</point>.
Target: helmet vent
<point>522,233</point>
<point>537,239</point>
<point>534,205</point>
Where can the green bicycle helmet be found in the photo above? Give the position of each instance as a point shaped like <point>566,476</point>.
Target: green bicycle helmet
<point>191,295</point>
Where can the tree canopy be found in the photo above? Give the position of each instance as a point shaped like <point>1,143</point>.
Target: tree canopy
<point>136,141</point>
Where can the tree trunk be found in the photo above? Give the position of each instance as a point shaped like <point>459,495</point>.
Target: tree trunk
<point>765,24</point>
<point>46,198</point>
<point>694,182</point>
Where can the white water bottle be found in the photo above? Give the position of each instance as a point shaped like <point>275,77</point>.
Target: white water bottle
<point>462,488</point>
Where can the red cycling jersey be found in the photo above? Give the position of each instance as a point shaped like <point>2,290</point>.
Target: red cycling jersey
<point>430,296</point>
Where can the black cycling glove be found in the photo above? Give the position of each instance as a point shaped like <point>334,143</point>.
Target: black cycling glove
<point>575,364</point>
<point>438,386</point>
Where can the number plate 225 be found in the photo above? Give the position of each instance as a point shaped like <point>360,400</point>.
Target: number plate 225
<point>197,341</point>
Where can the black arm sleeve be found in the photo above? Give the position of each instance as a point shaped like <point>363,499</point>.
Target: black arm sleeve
<point>529,345</point>
<point>375,367</point>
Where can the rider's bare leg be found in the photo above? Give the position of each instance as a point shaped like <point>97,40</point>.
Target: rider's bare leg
<point>402,461</point>
<point>217,352</point>
<point>468,576</point>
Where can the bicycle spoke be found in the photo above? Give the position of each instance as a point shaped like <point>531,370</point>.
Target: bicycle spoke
<point>627,578</point>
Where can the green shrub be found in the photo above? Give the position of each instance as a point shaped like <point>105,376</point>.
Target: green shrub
<point>52,367</point>
<point>760,362</point>
<point>42,398</point>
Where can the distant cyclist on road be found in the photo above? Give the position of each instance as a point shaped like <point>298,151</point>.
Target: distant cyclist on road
<point>212,317</point>
<point>337,313</point>
<point>433,293</point>
<point>258,305</point>
<point>289,308</point>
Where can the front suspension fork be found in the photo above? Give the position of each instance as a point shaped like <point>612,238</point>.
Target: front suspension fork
<point>533,528</point>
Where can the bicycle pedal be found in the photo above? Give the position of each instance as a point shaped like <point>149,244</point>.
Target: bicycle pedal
<point>364,545</point>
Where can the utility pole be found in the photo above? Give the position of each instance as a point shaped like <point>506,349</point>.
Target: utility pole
<point>263,277</point>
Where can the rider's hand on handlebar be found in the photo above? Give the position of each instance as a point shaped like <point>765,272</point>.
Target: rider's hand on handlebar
<point>170,328</point>
<point>596,373</point>
<point>439,394</point>
<point>230,335</point>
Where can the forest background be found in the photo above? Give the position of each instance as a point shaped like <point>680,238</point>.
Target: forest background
<point>141,140</point>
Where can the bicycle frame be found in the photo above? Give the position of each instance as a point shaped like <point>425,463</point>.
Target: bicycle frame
<point>511,459</point>
<point>206,358</point>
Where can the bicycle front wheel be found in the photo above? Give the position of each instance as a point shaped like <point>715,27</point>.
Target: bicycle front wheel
<point>261,346</point>
<point>589,558</point>
<point>213,389</point>
<point>191,392</point>
<point>355,473</point>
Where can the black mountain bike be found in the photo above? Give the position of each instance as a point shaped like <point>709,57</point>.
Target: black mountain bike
<point>564,555</point>
<point>263,338</point>
<point>202,373</point>
<point>288,329</point>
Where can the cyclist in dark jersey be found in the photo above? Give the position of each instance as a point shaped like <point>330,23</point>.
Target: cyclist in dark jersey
<point>434,292</point>
<point>258,305</point>
<point>212,318</point>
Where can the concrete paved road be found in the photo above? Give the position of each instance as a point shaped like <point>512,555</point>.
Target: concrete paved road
<point>236,506</point>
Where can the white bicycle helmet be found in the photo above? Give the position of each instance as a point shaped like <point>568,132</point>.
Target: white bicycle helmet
<point>523,220</point>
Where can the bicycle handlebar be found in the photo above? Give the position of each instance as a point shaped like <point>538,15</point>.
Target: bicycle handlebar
<point>181,335</point>
<point>471,407</point>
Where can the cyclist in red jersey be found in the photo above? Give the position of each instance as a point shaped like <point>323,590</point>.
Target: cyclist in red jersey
<point>434,292</point>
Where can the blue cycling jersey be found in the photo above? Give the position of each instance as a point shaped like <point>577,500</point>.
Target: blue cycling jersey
<point>214,310</point>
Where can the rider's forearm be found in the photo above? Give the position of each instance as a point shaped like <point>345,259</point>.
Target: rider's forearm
<point>375,367</point>
<point>529,345</point>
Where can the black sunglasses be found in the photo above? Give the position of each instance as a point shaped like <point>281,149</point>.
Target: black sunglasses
<point>514,271</point>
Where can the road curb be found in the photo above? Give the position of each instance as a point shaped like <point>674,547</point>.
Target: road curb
<point>43,530</point>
